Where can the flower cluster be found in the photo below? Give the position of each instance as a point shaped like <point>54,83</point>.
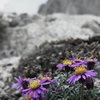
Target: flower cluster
<point>34,88</point>
<point>82,70</point>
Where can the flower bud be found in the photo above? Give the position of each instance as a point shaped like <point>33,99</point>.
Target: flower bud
<point>89,83</point>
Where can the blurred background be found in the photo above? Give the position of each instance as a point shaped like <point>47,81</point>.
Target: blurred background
<point>18,17</point>
<point>51,6</point>
<point>21,6</point>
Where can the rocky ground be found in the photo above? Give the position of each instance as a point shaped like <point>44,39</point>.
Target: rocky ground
<point>45,58</point>
<point>39,45</point>
<point>23,38</point>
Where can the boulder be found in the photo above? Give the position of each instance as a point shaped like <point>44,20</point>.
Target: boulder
<point>7,68</point>
<point>71,7</point>
<point>22,40</point>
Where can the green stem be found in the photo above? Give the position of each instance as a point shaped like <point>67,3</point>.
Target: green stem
<point>81,92</point>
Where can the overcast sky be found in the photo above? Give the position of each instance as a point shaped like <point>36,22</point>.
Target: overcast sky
<point>21,6</point>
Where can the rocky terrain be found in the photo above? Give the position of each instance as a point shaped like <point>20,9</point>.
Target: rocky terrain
<point>71,7</point>
<point>39,43</point>
<point>21,39</point>
<point>45,58</point>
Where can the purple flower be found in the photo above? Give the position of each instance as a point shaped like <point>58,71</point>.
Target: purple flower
<point>78,62</point>
<point>21,83</point>
<point>81,73</point>
<point>60,66</point>
<point>75,62</point>
<point>36,89</point>
<point>65,64</point>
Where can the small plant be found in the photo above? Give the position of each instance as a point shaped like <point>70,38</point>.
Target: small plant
<point>73,80</point>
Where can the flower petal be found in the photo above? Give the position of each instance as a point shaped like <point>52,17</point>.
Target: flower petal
<point>91,73</point>
<point>60,66</point>
<point>71,79</point>
<point>35,94</point>
<point>77,78</point>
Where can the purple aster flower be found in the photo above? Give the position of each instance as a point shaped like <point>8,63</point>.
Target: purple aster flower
<point>21,83</point>
<point>81,73</point>
<point>65,64</point>
<point>78,62</point>
<point>36,89</point>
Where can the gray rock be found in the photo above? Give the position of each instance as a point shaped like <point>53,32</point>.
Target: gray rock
<point>71,7</point>
<point>22,39</point>
<point>6,67</point>
<point>93,25</point>
<point>14,19</point>
<point>50,28</point>
<point>3,26</point>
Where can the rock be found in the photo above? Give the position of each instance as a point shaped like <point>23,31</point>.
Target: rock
<point>21,20</point>
<point>71,7</point>
<point>93,25</point>
<point>18,40</point>
<point>7,67</point>
<point>14,19</point>
<point>3,26</point>
<point>7,23</point>
<point>50,28</point>
<point>97,83</point>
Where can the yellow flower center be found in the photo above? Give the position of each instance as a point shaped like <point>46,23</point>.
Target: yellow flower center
<point>80,70</point>
<point>67,62</point>
<point>34,84</point>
